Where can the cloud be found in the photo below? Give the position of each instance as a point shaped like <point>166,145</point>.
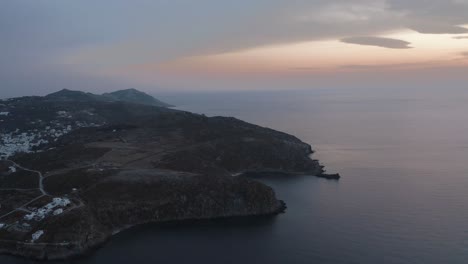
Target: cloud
<point>461,37</point>
<point>460,2</point>
<point>433,16</point>
<point>305,68</point>
<point>429,27</point>
<point>352,12</point>
<point>437,69</point>
<point>378,42</point>
<point>395,66</point>
<point>464,54</point>
<point>108,33</point>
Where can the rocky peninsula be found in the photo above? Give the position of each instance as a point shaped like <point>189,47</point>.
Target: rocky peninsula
<point>77,168</point>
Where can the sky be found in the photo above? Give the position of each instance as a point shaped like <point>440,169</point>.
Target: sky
<point>212,45</point>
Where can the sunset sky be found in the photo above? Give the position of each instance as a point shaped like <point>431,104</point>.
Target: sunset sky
<point>177,45</point>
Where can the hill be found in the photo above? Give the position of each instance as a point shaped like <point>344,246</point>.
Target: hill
<point>134,96</point>
<point>129,95</point>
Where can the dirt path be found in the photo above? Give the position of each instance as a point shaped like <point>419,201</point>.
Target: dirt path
<point>40,188</point>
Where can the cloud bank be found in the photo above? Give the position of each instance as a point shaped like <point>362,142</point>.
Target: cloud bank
<point>378,42</point>
<point>69,38</point>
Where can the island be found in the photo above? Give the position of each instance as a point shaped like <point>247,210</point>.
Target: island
<point>76,168</point>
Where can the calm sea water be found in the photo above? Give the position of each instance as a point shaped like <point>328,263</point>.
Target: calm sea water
<point>403,198</point>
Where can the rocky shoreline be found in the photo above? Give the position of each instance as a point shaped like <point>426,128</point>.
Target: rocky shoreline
<point>45,252</point>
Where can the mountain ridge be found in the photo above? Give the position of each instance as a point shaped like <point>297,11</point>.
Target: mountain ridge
<point>130,95</point>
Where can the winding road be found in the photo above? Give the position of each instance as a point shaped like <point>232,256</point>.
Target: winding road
<point>40,188</point>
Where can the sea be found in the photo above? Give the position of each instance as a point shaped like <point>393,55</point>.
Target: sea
<point>402,199</point>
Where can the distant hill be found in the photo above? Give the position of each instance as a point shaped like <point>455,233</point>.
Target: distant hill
<point>69,95</point>
<point>128,95</point>
<point>134,96</point>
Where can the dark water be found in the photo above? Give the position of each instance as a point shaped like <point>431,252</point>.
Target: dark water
<point>403,155</point>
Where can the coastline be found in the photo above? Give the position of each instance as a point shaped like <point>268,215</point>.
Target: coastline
<point>61,253</point>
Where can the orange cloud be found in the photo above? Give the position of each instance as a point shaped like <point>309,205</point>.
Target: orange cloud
<point>312,58</point>
<point>320,57</point>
